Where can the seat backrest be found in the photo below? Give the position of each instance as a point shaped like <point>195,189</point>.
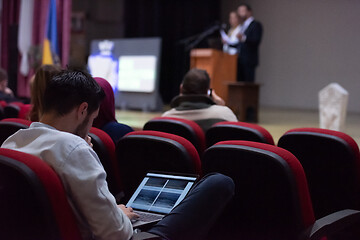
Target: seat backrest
<point>182,127</point>
<point>9,126</point>
<point>142,151</point>
<point>24,111</point>
<point>3,103</point>
<point>116,130</point>
<point>17,120</point>
<point>32,200</point>
<point>331,161</point>
<point>105,149</point>
<point>224,131</point>
<point>271,195</point>
<point>11,111</point>
<point>2,115</point>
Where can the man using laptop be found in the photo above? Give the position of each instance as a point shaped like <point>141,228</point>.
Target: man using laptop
<point>71,103</point>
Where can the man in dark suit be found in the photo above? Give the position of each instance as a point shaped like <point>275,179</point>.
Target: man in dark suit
<point>248,46</point>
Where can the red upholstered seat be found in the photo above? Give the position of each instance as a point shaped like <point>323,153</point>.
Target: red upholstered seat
<point>11,111</point>
<point>18,120</point>
<point>33,201</point>
<point>182,127</point>
<point>9,126</point>
<point>2,114</point>
<point>223,131</point>
<point>142,151</point>
<point>105,149</point>
<point>331,161</point>
<point>24,111</point>
<point>3,103</point>
<point>271,194</point>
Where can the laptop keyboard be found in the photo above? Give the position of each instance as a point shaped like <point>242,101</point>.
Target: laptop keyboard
<point>148,217</point>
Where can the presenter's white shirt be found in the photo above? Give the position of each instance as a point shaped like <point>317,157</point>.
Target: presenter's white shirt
<point>82,175</point>
<point>232,40</point>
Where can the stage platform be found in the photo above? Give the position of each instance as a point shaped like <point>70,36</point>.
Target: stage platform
<point>276,121</point>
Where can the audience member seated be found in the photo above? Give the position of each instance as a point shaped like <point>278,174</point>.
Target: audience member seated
<point>6,94</point>
<point>71,103</point>
<point>106,120</point>
<point>38,85</point>
<point>199,103</point>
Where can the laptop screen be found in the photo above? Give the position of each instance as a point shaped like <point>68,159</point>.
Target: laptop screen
<point>160,193</point>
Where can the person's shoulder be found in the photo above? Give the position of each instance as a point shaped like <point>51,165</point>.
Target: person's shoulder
<point>224,112</point>
<point>169,112</point>
<point>56,137</point>
<point>256,23</point>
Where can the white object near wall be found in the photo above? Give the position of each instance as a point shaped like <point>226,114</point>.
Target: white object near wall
<point>333,101</point>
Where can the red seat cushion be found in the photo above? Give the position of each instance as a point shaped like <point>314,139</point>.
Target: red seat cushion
<point>267,136</point>
<point>185,143</point>
<point>301,182</point>
<point>195,128</point>
<point>17,120</point>
<point>24,111</point>
<point>110,150</point>
<point>331,161</point>
<point>64,215</point>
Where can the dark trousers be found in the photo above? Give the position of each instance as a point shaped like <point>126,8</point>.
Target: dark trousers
<point>245,72</point>
<point>194,217</point>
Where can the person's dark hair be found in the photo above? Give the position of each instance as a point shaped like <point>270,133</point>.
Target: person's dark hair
<point>248,7</point>
<point>3,75</point>
<point>196,81</point>
<point>69,89</point>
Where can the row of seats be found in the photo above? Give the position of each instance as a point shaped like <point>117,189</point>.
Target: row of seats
<point>329,158</point>
<point>218,132</point>
<point>14,110</point>
<point>272,199</point>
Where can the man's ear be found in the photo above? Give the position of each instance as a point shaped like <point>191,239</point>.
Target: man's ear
<point>82,110</point>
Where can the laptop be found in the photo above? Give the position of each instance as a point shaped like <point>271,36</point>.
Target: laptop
<point>158,194</point>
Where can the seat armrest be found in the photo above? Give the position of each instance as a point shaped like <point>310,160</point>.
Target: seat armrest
<point>145,235</point>
<point>332,223</point>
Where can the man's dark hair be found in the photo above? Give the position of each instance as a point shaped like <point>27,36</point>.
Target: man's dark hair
<point>3,75</point>
<point>248,7</point>
<point>69,89</point>
<point>196,81</point>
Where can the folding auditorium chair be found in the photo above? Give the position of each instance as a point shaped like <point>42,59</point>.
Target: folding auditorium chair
<point>2,115</point>
<point>3,103</point>
<point>223,131</point>
<point>142,151</point>
<point>11,111</point>
<point>182,127</point>
<point>105,149</point>
<point>33,202</point>
<point>331,161</point>
<point>271,199</point>
<point>24,111</point>
<point>9,126</point>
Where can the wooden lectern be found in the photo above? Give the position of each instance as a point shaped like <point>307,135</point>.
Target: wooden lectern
<point>220,66</point>
<point>244,101</point>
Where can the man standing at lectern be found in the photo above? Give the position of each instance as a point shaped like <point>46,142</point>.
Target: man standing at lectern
<point>248,46</point>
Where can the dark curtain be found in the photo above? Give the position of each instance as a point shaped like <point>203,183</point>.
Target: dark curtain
<point>9,35</point>
<point>173,21</point>
<point>9,38</point>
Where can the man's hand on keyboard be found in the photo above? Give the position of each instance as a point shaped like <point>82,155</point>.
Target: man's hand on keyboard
<point>128,212</point>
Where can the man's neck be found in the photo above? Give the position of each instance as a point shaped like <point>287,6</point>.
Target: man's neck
<point>61,123</point>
